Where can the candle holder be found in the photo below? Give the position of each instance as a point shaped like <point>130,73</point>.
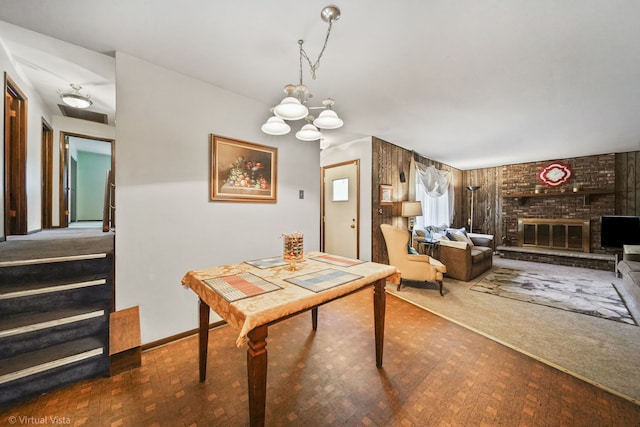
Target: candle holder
<point>293,249</point>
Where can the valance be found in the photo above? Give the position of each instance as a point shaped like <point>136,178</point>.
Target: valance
<point>435,182</point>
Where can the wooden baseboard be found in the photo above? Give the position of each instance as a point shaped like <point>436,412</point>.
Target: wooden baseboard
<point>125,361</point>
<point>177,337</point>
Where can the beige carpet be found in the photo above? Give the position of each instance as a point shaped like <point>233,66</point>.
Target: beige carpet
<point>603,352</point>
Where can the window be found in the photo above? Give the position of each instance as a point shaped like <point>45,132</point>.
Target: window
<point>340,190</point>
<point>436,210</point>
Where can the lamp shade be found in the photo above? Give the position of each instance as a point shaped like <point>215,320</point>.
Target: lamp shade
<point>290,108</point>
<point>275,126</point>
<point>411,209</point>
<point>308,133</point>
<point>328,119</point>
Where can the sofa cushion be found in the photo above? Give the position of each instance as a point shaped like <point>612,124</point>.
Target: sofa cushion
<point>634,278</point>
<point>479,253</point>
<point>625,267</point>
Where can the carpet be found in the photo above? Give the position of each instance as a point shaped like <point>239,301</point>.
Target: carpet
<point>580,295</point>
<point>596,350</point>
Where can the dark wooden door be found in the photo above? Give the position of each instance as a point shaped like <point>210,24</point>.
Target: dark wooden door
<point>15,145</point>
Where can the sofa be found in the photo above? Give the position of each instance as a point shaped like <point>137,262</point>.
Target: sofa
<point>465,255</point>
<point>629,269</point>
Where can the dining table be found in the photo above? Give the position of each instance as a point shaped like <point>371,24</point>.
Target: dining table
<point>252,295</point>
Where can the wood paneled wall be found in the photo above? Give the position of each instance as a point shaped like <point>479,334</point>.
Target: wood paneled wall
<point>628,183</point>
<point>388,161</point>
<point>487,201</point>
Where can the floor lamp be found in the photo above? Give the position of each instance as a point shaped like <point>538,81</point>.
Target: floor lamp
<point>473,189</point>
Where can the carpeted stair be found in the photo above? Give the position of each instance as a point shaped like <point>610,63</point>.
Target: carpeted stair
<point>54,323</point>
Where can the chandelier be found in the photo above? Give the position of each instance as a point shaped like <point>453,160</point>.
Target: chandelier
<point>74,98</point>
<point>295,104</point>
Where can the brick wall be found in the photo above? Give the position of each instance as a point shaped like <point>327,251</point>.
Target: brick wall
<point>591,173</point>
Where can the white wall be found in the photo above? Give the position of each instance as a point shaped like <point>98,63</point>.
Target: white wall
<point>166,224</point>
<point>358,149</point>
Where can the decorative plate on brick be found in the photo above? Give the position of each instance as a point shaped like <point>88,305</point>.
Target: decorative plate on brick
<point>555,174</point>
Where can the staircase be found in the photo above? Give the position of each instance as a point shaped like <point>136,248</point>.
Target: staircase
<point>54,323</point>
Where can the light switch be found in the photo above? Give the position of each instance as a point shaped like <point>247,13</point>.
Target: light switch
<point>301,194</point>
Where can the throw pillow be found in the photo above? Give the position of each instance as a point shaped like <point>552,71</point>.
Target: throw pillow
<point>460,235</point>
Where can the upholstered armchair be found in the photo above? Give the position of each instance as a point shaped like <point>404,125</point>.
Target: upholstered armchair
<point>420,268</point>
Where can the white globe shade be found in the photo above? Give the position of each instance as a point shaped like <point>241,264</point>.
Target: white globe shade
<point>275,126</point>
<point>290,108</point>
<point>328,119</point>
<point>308,133</point>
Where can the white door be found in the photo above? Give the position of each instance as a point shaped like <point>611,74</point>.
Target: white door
<point>341,201</point>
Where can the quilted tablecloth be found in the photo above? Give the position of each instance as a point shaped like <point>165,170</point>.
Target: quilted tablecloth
<point>248,295</point>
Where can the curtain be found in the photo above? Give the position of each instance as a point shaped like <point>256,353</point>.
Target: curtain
<point>434,189</point>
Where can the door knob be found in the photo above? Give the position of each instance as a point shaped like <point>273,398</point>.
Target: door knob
<point>353,226</point>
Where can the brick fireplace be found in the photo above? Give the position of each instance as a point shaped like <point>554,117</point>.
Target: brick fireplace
<point>558,225</point>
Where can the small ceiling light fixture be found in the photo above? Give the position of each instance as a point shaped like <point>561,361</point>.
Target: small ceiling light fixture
<point>75,98</point>
<point>294,106</point>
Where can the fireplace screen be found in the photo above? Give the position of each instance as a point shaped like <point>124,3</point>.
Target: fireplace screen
<point>565,234</point>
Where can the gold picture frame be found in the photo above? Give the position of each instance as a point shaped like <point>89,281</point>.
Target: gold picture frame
<point>386,195</point>
<point>242,171</point>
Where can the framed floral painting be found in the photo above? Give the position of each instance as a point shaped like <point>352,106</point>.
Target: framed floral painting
<point>242,171</point>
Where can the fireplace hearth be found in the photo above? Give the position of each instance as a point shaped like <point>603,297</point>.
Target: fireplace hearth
<point>561,234</point>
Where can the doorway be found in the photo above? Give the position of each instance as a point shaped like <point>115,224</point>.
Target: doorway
<point>85,162</point>
<point>47,175</point>
<point>341,209</point>
<point>15,159</point>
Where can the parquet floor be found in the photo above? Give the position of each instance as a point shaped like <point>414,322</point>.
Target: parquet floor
<point>435,373</point>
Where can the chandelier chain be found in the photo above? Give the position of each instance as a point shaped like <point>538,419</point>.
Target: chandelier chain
<point>314,66</point>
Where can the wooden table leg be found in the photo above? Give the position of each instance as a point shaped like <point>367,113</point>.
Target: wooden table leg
<point>314,318</point>
<point>257,375</point>
<point>379,306</point>
<point>203,338</point>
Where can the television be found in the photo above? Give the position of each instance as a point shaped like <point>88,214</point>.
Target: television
<point>619,230</point>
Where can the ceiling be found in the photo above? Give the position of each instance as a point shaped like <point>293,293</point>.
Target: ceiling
<point>468,83</point>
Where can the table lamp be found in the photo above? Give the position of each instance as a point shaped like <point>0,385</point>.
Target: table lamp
<point>411,210</point>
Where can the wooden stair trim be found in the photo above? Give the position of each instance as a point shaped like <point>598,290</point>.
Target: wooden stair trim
<point>51,260</point>
<point>50,323</point>
<point>49,289</point>
<point>42,367</point>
